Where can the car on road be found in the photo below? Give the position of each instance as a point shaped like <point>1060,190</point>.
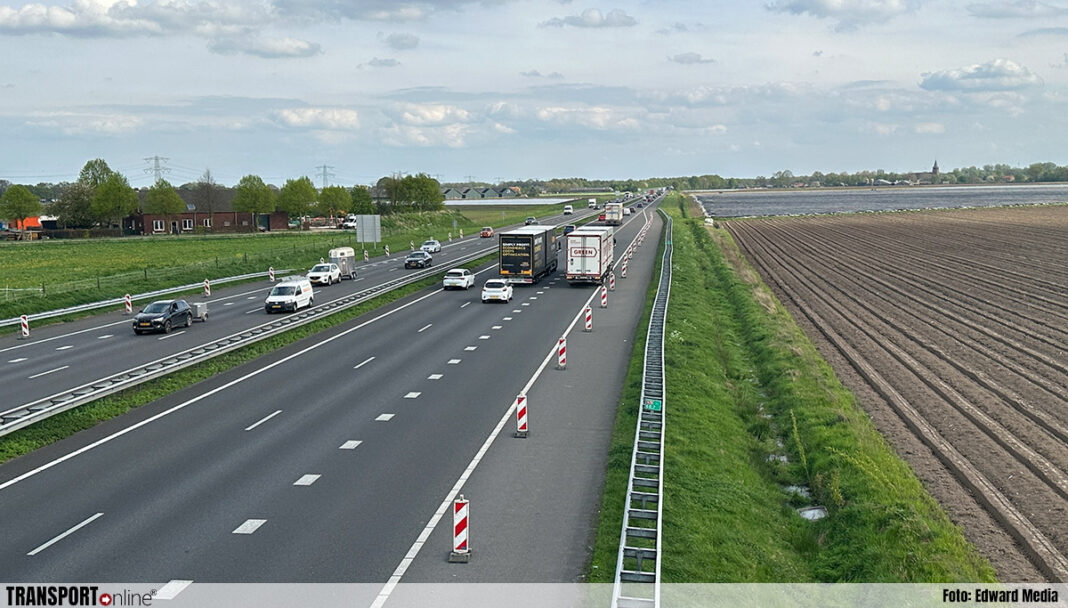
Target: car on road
<point>324,274</point>
<point>163,315</point>
<point>487,232</point>
<point>431,246</point>
<point>458,278</point>
<point>626,210</point>
<point>530,220</point>
<point>569,228</point>
<point>290,294</point>
<point>639,205</point>
<point>418,259</point>
<point>496,290</point>
<point>568,209</point>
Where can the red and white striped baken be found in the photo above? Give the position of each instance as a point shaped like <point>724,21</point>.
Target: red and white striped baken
<point>589,319</point>
<point>387,251</point>
<point>412,245</point>
<point>611,281</point>
<point>207,288</point>
<point>604,297</point>
<point>624,270</point>
<point>128,302</point>
<point>461,551</point>
<point>521,429</point>
<point>24,326</point>
<point>270,273</point>
<point>561,353</point>
<point>366,256</point>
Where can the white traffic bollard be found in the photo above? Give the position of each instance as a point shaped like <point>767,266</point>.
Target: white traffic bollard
<point>450,237</point>
<point>128,302</point>
<point>521,429</point>
<point>461,550</point>
<point>604,297</point>
<point>24,324</point>
<point>461,233</point>
<point>589,319</point>
<point>561,354</point>
<point>207,288</point>
<point>270,273</point>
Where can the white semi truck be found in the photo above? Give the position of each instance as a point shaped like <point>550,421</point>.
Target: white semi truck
<point>613,214</point>
<point>590,252</point>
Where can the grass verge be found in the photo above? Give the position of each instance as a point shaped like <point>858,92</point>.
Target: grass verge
<point>65,424</point>
<point>757,426</point>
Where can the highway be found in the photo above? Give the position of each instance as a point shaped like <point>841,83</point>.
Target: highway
<point>325,460</point>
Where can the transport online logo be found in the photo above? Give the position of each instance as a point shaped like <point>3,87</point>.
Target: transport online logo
<point>74,595</point>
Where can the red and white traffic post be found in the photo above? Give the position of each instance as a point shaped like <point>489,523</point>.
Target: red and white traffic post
<point>270,273</point>
<point>604,297</point>
<point>561,353</point>
<point>207,288</point>
<point>24,325</point>
<point>521,429</point>
<point>461,550</point>
<point>387,251</point>
<point>366,256</point>
<point>461,233</point>
<point>412,244</point>
<point>128,303</point>
<point>611,281</point>
<point>624,270</point>
<point>589,319</point>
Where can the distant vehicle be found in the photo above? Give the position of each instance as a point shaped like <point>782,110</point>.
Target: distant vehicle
<point>569,228</point>
<point>324,274</point>
<point>530,221</point>
<point>600,218</point>
<point>626,210</point>
<point>349,224</point>
<point>592,203</point>
<point>613,214</point>
<point>163,315</point>
<point>289,295</point>
<point>487,232</point>
<point>590,253</point>
<point>345,258</point>
<point>431,246</point>
<point>528,253</point>
<point>418,259</point>
<point>496,290</point>
<point>639,205</point>
<point>568,209</point>
<point>458,278</point>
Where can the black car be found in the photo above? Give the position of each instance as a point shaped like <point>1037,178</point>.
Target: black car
<point>569,228</point>
<point>418,259</point>
<point>163,315</point>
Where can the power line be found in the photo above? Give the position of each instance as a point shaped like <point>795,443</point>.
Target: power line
<point>157,169</point>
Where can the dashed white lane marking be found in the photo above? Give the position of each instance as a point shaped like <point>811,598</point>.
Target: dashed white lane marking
<point>177,333</point>
<point>454,361</point>
<point>350,445</point>
<point>525,304</point>
<point>425,327</point>
<point>250,526</point>
<point>470,348</point>
<point>540,292</point>
<point>507,319</point>
<point>104,337</point>
<point>251,298</point>
<point>384,417</point>
<point>55,540</point>
<point>67,347</point>
<point>483,337</point>
<point>465,305</point>
<point>365,362</point>
<point>307,480</point>
<point>228,304</point>
<point>19,360</point>
<point>262,420</point>
<point>394,269</point>
<point>517,310</point>
<point>49,372</point>
<point>533,297</point>
<point>253,310</point>
<point>412,395</point>
<point>434,377</point>
<point>172,589</point>
<point>359,279</point>
<point>497,327</point>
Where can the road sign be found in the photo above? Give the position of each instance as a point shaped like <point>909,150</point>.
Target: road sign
<point>653,405</point>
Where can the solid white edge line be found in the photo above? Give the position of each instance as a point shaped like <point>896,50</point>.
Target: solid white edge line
<point>172,589</point>
<point>219,389</point>
<point>58,369</point>
<point>262,420</point>
<point>55,540</point>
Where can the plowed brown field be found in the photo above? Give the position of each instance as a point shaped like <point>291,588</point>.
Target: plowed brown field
<point>951,329</point>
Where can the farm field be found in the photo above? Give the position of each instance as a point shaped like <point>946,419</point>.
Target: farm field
<point>950,328</point>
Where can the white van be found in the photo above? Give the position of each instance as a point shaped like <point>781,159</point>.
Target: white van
<point>568,209</point>
<point>290,294</point>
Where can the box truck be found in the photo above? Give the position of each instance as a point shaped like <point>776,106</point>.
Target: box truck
<point>528,253</point>
<point>613,214</point>
<point>590,253</point>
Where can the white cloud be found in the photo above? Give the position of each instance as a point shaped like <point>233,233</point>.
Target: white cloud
<point>600,118</point>
<point>924,128</point>
<point>88,18</point>
<point>375,62</point>
<point>278,48</point>
<point>592,17</point>
<point>402,42</point>
<point>879,128</point>
<point>77,123</point>
<point>1019,9</point>
<point>848,13</point>
<point>432,114</point>
<point>319,118</point>
<point>449,136</point>
<point>537,74</point>
<point>996,75</point>
<point>690,59</point>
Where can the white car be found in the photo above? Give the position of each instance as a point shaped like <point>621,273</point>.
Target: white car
<point>568,209</point>
<point>496,290</point>
<point>324,274</point>
<point>626,210</point>
<point>458,278</point>
<point>431,246</point>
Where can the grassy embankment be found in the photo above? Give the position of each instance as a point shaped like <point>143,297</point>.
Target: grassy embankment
<point>744,388</point>
<point>82,271</point>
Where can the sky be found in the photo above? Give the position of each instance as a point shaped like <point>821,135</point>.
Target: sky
<point>497,90</point>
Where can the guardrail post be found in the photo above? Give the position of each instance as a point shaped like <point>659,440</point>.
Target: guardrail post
<point>521,429</point>
<point>461,550</point>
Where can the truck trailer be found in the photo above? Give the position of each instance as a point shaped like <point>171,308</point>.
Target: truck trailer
<point>528,253</point>
<point>590,253</point>
<point>613,214</point>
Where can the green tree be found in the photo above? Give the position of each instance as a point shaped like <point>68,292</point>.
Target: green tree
<point>162,199</point>
<point>362,203</point>
<point>253,196</point>
<point>18,203</point>
<point>206,193</point>
<point>297,197</point>
<point>113,199</point>
<point>95,172</point>
<point>334,200</point>
<point>74,207</point>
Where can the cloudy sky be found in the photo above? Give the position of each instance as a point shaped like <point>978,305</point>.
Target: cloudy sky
<point>516,89</point>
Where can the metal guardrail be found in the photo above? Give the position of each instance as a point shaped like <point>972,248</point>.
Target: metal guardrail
<point>637,578</point>
<point>29,413</point>
<point>141,296</point>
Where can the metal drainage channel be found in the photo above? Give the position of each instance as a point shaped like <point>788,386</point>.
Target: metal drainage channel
<point>27,414</point>
<point>637,580</point>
